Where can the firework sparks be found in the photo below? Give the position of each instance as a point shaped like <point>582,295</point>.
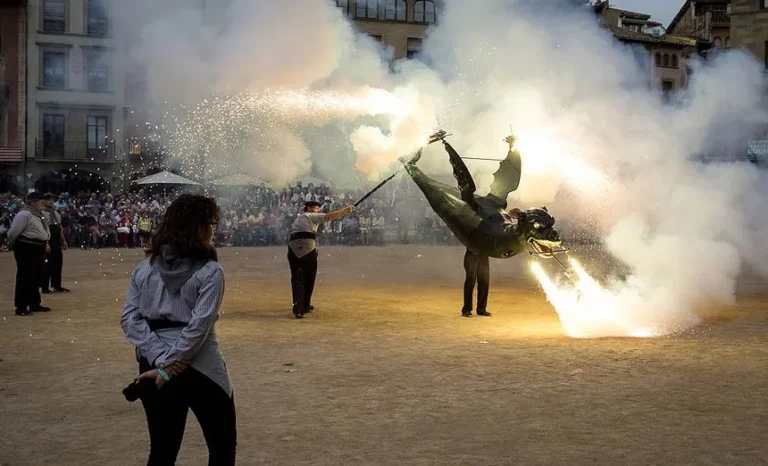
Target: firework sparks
<point>217,133</point>
<point>587,309</point>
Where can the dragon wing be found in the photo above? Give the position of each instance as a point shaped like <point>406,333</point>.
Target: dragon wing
<point>507,177</point>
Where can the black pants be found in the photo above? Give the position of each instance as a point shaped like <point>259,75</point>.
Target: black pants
<point>167,410</point>
<point>51,276</point>
<point>303,273</point>
<point>30,259</point>
<point>478,271</point>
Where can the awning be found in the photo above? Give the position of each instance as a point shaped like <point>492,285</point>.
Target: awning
<point>166,177</point>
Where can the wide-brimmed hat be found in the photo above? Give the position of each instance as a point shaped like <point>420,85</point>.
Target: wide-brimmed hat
<point>35,196</point>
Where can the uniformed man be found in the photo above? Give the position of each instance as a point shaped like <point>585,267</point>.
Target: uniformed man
<point>477,270</point>
<point>28,238</point>
<point>54,260</point>
<point>302,253</point>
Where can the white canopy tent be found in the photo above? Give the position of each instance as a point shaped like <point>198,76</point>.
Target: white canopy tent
<point>166,177</point>
<point>239,179</point>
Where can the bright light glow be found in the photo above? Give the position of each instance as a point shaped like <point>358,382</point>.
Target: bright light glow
<point>586,309</point>
<point>543,155</point>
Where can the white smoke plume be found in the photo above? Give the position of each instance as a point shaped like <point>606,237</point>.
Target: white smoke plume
<point>599,145</point>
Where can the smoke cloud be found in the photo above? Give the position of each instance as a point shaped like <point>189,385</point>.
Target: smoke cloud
<point>599,145</point>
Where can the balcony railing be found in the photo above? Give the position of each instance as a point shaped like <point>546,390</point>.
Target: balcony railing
<point>720,19</point>
<point>73,151</point>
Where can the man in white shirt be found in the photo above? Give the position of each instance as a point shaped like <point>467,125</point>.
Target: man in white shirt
<point>302,253</point>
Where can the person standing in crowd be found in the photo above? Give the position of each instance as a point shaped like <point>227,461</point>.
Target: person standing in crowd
<point>302,253</point>
<point>145,229</point>
<point>55,258</point>
<point>28,238</point>
<point>170,310</point>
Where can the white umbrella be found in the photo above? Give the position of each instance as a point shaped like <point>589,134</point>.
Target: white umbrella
<point>239,179</point>
<point>166,177</point>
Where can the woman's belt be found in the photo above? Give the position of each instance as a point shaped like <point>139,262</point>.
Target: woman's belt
<point>160,324</point>
<point>303,235</point>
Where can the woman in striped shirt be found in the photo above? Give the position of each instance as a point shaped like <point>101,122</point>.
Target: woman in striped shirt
<point>172,304</point>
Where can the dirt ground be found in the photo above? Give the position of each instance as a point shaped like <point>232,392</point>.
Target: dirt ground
<point>386,372</point>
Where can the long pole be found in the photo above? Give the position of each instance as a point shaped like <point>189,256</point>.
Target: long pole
<point>378,186</point>
<point>477,158</point>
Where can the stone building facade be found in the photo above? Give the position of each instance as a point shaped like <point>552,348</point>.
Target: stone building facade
<point>399,24</point>
<point>75,90</point>
<point>749,27</point>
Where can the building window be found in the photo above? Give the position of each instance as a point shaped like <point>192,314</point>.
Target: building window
<point>395,10</point>
<point>413,48</point>
<point>53,132</point>
<point>96,130</point>
<point>97,70</point>
<point>53,16</point>
<point>665,61</point>
<point>54,70</point>
<point>667,88</point>
<point>658,59</point>
<point>728,42</point>
<point>718,43</point>
<point>343,4</point>
<point>674,61</point>
<point>376,37</point>
<point>98,19</point>
<point>424,11</point>
<point>367,9</point>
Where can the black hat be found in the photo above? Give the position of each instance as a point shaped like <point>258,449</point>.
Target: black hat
<point>309,204</point>
<point>48,196</point>
<point>35,196</point>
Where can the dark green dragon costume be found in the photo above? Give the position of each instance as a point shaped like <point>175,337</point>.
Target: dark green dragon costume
<point>482,223</point>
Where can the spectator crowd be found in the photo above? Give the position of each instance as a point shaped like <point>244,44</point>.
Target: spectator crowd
<point>257,216</point>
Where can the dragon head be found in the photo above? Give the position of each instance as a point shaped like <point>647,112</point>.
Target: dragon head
<point>538,228</point>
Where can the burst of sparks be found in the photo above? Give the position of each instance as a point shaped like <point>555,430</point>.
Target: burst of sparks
<point>586,309</point>
<point>213,136</point>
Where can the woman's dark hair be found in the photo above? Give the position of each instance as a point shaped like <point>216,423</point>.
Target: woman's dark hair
<point>183,226</point>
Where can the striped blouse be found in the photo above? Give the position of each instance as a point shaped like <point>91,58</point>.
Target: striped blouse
<point>196,304</point>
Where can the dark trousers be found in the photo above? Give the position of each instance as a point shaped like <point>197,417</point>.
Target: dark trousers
<point>30,259</point>
<point>167,410</point>
<point>51,276</point>
<point>478,271</point>
<point>303,273</point>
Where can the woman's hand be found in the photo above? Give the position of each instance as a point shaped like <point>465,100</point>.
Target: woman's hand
<point>176,368</point>
<point>152,374</point>
<point>173,369</point>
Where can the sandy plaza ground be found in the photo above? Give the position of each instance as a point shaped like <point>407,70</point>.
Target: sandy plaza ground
<point>386,371</point>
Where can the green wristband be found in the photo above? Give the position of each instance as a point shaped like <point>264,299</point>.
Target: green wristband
<point>164,374</point>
